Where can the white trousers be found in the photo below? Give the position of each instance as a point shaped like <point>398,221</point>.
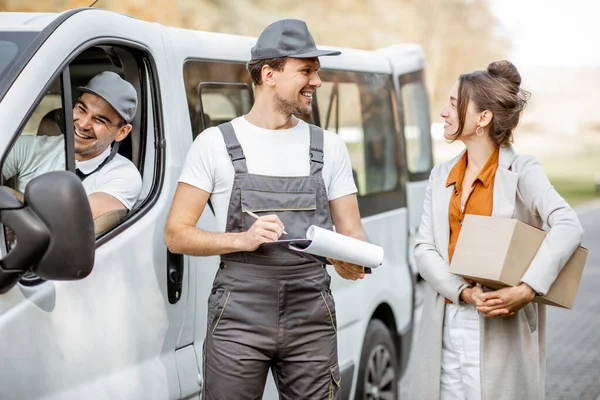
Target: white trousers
<point>460,379</point>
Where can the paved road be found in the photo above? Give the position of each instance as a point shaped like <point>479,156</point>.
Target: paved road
<point>573,351</point>
<point>573,341</point>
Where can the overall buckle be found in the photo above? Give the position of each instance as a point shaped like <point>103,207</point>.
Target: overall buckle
<point>316,155</point>
<point>236,153</point>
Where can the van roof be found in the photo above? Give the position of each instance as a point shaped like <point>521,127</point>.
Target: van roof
<point>220,46</point>
<point>188,43</point>
<point>22,21</point>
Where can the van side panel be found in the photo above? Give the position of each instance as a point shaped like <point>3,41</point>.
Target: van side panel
<point>113,334</point>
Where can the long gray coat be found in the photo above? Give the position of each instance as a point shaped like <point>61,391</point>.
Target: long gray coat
<point>513,363</point>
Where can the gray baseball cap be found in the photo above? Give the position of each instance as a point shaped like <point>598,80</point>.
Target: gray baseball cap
<point>287,38</point>
<point>119,93</point>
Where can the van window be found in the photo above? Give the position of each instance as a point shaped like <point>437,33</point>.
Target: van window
<point>221,102</point>
<point>359,107</point>
<point>12,44</point>
<point>417,125</point>
<point>216,91</point>
<point>41,145</point>
<point>219,91</point>
<point>139,147</point>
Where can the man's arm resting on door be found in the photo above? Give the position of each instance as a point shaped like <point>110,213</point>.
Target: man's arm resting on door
<point>346,218</point>
<point>183,237</point>
<point>101,203</point>
<point>15,193</point>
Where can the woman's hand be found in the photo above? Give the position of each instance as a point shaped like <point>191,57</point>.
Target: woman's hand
<point>513,299</point>
<point>472,295</point>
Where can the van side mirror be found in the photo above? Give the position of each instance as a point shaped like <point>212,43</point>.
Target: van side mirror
<point>54,230</point>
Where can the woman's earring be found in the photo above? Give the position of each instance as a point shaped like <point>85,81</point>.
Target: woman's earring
<point>477,131</point>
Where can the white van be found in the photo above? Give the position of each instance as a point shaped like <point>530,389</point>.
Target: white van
<point>133,326</point>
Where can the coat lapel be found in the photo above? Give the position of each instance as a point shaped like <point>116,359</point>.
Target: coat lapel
<point>440,202</point>
<point>505,185</point>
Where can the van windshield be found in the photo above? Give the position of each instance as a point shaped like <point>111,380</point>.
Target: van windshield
<point>12,45</point>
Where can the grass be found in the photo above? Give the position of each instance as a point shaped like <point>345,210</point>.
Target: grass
<point>573,177</point>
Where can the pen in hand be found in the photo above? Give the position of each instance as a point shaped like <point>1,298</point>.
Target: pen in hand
<point>250,213</point>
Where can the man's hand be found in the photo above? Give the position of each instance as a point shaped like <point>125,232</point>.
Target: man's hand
<point>15,193</point>
<point>267,228</point>
<point>347,270</point>
<point>346,218</point>
<point>513,299</point>
<point>8,233</point>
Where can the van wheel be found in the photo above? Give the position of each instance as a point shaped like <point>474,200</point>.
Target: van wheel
<point>378,371</point>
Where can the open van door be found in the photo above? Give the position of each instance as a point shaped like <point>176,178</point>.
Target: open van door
<point>125,331</point>
<point>408,68</point>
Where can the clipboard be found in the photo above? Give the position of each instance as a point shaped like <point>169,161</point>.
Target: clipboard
<point>303,244</point>
<point>324,243</point>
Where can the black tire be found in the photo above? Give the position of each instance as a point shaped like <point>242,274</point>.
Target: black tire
<point>378,373</point>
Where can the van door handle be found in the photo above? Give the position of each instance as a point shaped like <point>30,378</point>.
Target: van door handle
<point>174,276</point>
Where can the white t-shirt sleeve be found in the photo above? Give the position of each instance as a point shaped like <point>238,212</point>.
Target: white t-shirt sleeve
<point>342,181</point>
<point>123,183</point>
<point>198,169</point>
<point>12,164</point>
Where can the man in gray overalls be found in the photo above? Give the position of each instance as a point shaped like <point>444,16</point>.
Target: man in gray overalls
<point>270,307</point>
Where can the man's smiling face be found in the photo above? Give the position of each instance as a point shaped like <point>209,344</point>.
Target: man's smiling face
<point>296,85</point>
<point>96,125</point>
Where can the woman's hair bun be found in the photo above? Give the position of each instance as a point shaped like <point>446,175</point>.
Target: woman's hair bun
<point>505,69</point>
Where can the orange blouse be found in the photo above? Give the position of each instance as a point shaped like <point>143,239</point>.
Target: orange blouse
<point>480,200</point>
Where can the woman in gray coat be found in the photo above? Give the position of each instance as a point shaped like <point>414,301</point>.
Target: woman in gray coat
<point>474,344</point>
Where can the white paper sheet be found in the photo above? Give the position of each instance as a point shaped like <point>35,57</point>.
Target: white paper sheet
<point>326,243</point>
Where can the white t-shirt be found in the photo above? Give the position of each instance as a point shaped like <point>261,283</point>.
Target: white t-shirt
<point>283,152</point>
<point>35,155</point>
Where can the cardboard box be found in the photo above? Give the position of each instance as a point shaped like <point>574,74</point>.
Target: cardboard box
<point>496,252</point>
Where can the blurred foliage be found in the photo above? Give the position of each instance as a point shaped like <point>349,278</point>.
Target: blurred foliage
<point>456,35</point>
<point>577,179</point>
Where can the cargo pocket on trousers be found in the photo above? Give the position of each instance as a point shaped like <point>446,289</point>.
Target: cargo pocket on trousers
<point>330,306</point>
<point>531,316</point>
<point>217,303</point>
<point>335,381</point>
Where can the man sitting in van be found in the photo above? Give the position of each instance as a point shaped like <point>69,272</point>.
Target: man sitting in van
<point>102,116</point>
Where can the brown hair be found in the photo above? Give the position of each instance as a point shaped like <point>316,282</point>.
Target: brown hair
<point>254,67</point>
<point>497,89</point>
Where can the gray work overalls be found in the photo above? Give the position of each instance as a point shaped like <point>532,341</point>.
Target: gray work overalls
<point>273,308</point>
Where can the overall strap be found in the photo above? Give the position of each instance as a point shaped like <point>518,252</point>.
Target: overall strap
<point>234,148</point>
<point>316,150</point>
<point>113,153</point>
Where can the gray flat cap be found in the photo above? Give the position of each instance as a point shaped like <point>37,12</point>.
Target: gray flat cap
<point>119,93</point>
<point>287,38</point>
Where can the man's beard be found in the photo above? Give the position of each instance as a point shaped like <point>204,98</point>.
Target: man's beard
<point>288,107</point>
